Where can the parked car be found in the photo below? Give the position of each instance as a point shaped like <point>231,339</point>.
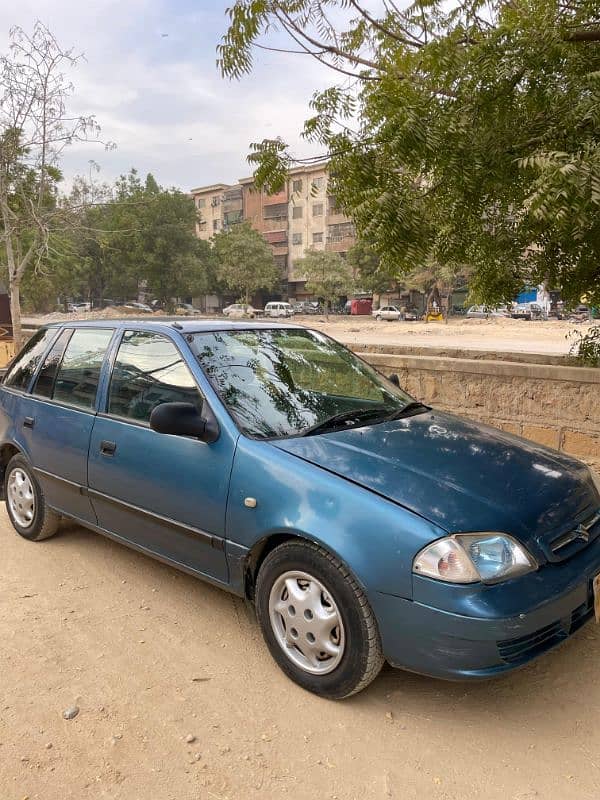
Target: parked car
<point>411,314</point>
<point>484,312</point>
<point>239,311</point>
<point>387,313</point>
<point>278,309</point>
<point>527,311</point>
<point>187,310</point>
<point>363,525</point>
<point>79,307</point>
<point>141,308</point>
<point>580,313</point>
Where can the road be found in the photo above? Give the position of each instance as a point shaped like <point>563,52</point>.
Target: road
<point>151,656</point>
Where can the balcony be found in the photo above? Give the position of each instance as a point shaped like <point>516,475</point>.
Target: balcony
<point>277,210</point>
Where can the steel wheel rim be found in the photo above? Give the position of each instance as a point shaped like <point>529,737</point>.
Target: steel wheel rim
<point>21,497</point>
<point>306,622</point>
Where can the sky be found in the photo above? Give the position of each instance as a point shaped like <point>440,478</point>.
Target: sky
<point>150,78</point>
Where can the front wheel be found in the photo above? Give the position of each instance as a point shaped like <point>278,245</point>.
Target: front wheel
<point>378,317</point>
<point>25,502</point>
<point>316,621</point>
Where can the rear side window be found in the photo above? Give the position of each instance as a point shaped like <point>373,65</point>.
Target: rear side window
<point>26,363</point>
<point>149,370</point>
<point>79,373</point>
<point>44,385</point>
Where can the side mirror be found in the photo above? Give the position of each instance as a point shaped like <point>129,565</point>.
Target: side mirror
<point>393,378</point>
<point>183,419</point>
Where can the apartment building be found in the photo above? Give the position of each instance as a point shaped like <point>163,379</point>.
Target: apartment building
<point>301,217</point>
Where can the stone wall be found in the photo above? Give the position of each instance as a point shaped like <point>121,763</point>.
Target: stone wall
<point>558,406</point>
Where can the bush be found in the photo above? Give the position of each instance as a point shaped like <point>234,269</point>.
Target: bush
<point>586,347</point>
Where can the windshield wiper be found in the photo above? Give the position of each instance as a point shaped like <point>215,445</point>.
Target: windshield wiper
<point>356,414</point>
<point>409,410</point>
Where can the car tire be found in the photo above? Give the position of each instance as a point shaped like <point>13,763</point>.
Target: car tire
<point>325,595</point>
<point>26,504</point>
<point>378,318</point>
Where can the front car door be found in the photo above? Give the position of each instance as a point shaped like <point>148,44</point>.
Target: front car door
<point>161,493</point>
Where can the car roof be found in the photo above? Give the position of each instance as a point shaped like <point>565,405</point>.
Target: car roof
<point>182,325</point>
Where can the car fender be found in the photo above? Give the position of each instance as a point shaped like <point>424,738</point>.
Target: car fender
<point>273,493</point>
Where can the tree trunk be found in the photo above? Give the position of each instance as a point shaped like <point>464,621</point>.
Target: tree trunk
<point>15,312</point>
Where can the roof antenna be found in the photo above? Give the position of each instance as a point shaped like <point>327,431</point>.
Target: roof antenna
<point>177,325</point>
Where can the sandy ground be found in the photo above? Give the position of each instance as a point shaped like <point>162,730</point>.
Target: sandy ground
<point>506,335</point>
<point>151,656</point>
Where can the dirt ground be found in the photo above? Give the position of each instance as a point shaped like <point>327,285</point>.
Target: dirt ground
<point>152,657</point>
<point>509,335</point>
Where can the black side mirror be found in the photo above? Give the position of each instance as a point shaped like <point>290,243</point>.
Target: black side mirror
<point>393,378</point>
<point>183,419</point>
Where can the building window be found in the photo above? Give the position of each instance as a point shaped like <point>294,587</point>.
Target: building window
<point>296,238</point>
<point>333,206</point>
<point>297,186</point>
<point>297,212</point>
<point>317,210</point>
<point>318,183</point>
<point>216,224</point>
<point>317,238</point>
<point>200,202</point>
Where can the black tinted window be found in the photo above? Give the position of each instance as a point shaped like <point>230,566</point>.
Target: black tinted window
<point>79,373</point>
<point>26,363</point>
<point>149,370</point>
<point>44,385</point>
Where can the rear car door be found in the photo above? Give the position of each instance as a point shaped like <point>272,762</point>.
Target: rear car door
<point>161,493</point>
<point>55,421</point>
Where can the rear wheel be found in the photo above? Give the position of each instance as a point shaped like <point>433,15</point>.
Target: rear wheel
<point>316,621</point>
<point>25,502</point>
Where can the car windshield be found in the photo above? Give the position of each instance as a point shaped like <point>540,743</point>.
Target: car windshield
<point>287,382</point>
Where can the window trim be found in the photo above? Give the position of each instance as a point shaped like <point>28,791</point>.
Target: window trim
<point>43,361</point>
<point>104,412</point>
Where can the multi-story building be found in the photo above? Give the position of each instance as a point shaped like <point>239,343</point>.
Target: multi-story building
<point>301,217</point>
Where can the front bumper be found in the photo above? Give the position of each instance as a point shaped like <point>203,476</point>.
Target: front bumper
<point>458,632</point>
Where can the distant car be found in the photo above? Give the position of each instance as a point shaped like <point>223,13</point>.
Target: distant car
<point>306,307</point>
<point>142,308</point>
<point>239,311</point>
<point>278,309</point>
<point>187,310</point>
<point>484,312</point>
<point>79,307</point>
<point>410,314</point>
<point>387,313</point>
<point>580,313</point>
<point>527,311</point>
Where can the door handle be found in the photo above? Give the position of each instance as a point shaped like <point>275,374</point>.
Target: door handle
<point>107,448</point>
<point>28,422</point>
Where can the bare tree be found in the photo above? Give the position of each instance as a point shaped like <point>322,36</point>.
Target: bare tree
<point>35,128</point>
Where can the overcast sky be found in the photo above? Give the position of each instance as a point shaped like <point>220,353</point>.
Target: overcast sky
<point>160,97</point>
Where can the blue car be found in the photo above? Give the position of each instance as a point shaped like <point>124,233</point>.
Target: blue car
<point>274,463</point>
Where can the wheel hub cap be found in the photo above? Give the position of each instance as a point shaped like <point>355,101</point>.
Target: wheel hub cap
<point>21,497</point>
<point>306,622</point>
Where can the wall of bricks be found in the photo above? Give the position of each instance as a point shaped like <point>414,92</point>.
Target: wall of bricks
<point>558,406</point>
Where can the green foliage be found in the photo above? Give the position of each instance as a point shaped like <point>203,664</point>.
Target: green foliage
<point>327,275</point>
<point>245,260</point>
<point>586,347</point>
<point>471,134</point>
<point>366,265</point>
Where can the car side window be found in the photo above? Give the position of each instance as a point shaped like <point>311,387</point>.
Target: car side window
<point>78,376</point>
<point>149,370</point>
<point>26,363</point>
<point>44,384</point>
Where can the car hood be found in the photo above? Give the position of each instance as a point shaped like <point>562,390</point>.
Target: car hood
<point>460,475</point>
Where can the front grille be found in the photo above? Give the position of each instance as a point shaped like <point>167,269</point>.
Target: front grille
<point>515,651</point>
<point>568,544</point>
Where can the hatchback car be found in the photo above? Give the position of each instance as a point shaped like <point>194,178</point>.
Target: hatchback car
<point>273,462</point>
<point>387,313</point>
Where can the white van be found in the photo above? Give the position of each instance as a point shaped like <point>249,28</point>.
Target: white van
<point>278,309</point>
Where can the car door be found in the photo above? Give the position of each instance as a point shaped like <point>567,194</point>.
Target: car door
<point>58,416</point>
<point>161,493</point>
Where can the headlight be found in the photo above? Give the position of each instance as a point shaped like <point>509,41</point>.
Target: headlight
<point>472,557</point>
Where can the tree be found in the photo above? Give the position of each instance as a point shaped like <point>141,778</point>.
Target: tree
<point>246,262</point>
<point>469,132</point>
<point>328,275</point>
<point>35,127</point>
<point>366,265</point>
